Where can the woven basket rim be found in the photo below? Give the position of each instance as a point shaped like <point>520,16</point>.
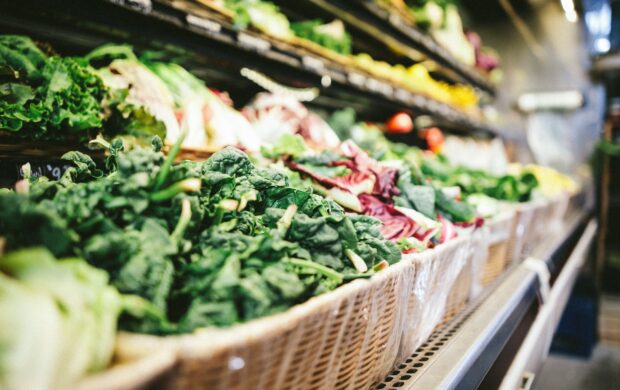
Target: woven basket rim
<point>205,342</point>
<point>131,374</point>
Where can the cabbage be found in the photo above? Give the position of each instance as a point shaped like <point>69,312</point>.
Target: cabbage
<point>58,320</point>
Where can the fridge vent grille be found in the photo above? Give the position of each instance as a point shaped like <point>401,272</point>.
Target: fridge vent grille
<point>405,374</point>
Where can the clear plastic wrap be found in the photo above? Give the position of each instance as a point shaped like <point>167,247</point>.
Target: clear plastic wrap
<point>478,257</point>
<point>436,271</point>
<point>468,277</point>
<point>538,228</point>
<point>525,213</point>
<point>500,234</point>
<point>553,216</point>
<point>560,210</point>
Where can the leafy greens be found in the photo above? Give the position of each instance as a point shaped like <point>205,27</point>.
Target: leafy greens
<point>207,244</point>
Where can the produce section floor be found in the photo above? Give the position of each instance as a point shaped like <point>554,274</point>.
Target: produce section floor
<point>601,371</point>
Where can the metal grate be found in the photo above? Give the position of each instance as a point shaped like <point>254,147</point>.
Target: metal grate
<point>414,366</point>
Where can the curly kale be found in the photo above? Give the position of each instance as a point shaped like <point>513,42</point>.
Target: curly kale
<point>47,97</point>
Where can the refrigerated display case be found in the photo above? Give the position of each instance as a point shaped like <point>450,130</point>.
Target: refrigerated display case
<point>474,311</point>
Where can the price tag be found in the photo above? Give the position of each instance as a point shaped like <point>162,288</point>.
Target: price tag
<point>373,85</point>
<point>144,6</point>
<point>253,42</point>
<point>356,79</point>
<point>313,63</point>
<point>433,105</point>
<point>13,170</point>
<point>419,101</point>
<point>394,20</point>
<point>204,24</point>
<point>402,95</point>
<point>386,89</point>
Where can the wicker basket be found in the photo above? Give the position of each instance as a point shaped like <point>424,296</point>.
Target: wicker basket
<point>435,274</point>
<point>137,370</point>
<point>500,231</point>
<point>343,339</point>
<point>349,338</point>
<point>464,286</point>
<point>539,226</point>
<point>525,214</point>
<point>459,294</point>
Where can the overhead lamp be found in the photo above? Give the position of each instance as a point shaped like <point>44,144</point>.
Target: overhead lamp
<point>569,10</point>
<point>551,101</point>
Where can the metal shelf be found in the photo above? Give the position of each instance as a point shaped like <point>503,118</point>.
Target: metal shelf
<point>606,64</point>
<point>429,46</point>
<point>219,50</point>
<point>392,31</point>
<point>535,347</point>
<point>478,347</point>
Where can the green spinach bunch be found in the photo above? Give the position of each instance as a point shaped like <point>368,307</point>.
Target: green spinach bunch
<point>207,244</point>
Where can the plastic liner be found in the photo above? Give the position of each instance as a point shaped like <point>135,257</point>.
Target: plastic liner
<point>436,272</point>
<point>467,281</point>
<point>525,216</point>
<point>500,231</point>
<point>546,219</point>
<point>560,210</point>
<point>539,227</point>
<point>459,294</point>
<point>535,222</point>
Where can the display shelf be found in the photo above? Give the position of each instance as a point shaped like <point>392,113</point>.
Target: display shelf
<point>604,64</point>
<point>391,30</point>
<point>478,347</point>
<point>221,49</point>
<point>535,347</point>
<point>429,46</point>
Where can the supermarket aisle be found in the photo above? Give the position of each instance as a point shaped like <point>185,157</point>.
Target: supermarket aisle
<point>601,371</point>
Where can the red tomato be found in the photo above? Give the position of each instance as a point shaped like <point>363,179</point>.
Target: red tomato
<point>434,139</point>
<point>400,123</point>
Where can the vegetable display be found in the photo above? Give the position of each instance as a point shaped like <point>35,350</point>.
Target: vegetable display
<point>263,15</point>
<point>289,206</point>
<point>332,35</point>
<point>207,244</point>
<point>111,91</point>
<point>407,207</point>
<point>266,17</point>
<point>427,168</point>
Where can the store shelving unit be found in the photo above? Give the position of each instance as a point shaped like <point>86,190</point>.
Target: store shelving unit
<point>503,336</point>
<point>391,30</point>
<point>215,44</point>
<point>606,64</point>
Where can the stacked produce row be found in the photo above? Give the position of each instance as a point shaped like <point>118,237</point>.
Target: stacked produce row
<point>331,40</point>
<point>304,252</point>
